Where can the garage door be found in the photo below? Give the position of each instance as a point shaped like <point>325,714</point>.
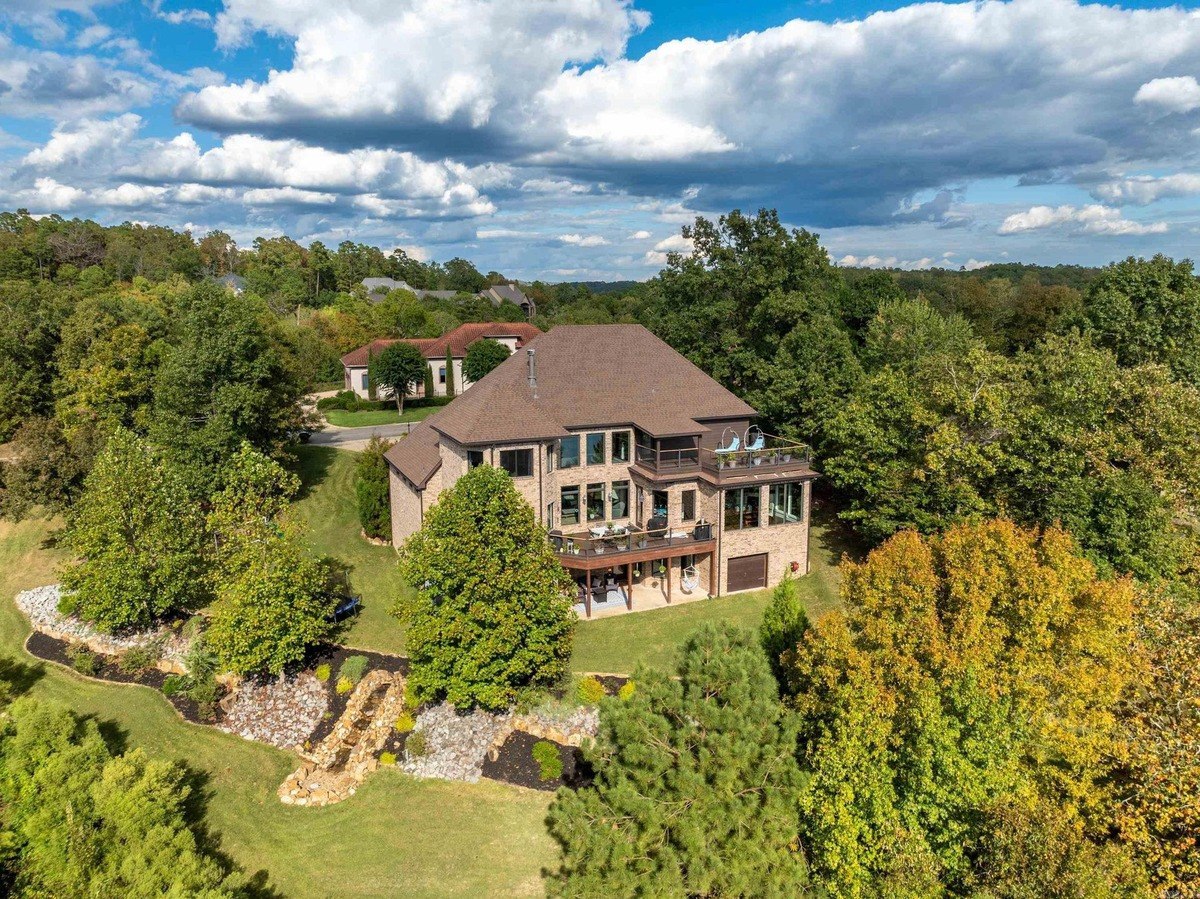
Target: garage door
<point>746,573</point>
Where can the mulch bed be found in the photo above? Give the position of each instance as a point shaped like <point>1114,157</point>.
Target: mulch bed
<point>333,656</point>
<point>51,649</point>
<point>515,765</point>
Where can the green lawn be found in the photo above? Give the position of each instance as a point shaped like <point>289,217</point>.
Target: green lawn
<point>327,509</point>
<point>397,836</point>
<point>371,417</point>
<point>615,645</point>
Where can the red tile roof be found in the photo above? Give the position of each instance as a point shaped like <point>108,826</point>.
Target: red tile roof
<point>458,339</point>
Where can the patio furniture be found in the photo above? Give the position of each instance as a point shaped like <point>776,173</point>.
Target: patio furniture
<point>690,579</point>
<point>729,442</point>
<point>755,439</point>
<point>349,605</point>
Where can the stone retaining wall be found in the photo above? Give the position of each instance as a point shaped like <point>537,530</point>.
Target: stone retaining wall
<point>40,606</point>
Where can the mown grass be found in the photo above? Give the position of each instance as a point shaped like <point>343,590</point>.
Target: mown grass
<point>370,417</point>
<point>327,510</point>
<point>397,836</point>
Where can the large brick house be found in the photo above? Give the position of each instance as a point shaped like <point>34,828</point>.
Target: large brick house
<point>651,478</point>
<point>512,334</point>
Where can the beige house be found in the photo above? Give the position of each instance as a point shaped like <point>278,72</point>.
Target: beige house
<point>512,335</point>
<point>652,480</point>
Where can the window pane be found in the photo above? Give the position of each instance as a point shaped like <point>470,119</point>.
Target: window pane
<point>621,441</point>
<point>474,458</point>
<point>569,505</point>
<point>733,510</point>
<point>787,503</point>
<point>595,502</point>
<point>620,499</point>
<point>595,449</point>
<point>568,452</point>
<point>751,497</point>
<point>689,505</point>
<point>518,463</point>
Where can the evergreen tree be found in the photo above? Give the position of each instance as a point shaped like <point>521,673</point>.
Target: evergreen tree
<point>449,372</point>
<point>491,616</point>
<point>696,782</point>
<point>371,490</point>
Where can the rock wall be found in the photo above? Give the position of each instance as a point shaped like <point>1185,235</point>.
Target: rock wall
<point>342,761</point>
<point>40,606</point>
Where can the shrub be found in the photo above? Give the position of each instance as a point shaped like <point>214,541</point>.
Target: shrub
<point>371,490</point>
<point>353,669</point>
<point>139,659</point>
<point>387,759</point>
<point>173,685</point>
<point>415,745</point>
<point>204,692</point>
<point>627,690</point>
<point>405,722</point>
<point>549,761</point>
<point>323,672</point>
<point>83,659</point>
<point>344,685</point>
<point>590,691</point>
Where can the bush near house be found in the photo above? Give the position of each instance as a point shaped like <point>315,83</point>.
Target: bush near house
<point>493,619</point>
<point>371,490</point>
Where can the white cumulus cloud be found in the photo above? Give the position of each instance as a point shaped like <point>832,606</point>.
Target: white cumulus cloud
<point>1178,94</point>
<point>1092,219</point>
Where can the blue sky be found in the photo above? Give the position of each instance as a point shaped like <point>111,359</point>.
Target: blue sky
<point>572,139</point>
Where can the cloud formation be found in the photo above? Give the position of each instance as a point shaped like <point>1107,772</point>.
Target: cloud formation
<point>1092,219</point>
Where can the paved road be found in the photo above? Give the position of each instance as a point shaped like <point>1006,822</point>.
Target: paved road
<point>356,438</point>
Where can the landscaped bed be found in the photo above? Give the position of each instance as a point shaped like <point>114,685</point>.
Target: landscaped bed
<point>335,657</point>
<point>515,764</point>
<point>51,649</point>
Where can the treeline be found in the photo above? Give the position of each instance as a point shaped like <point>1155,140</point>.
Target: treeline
<point>1007,706</point>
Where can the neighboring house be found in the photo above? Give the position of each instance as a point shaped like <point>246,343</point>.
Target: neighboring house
<point>512,334</point>
<point>233,282</point>
<point>605,425</point>
<point>378,288</point>
<point>509,293</point>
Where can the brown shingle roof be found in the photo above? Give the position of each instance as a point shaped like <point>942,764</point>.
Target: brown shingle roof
<point>587,376</point>
<point>458,339</point>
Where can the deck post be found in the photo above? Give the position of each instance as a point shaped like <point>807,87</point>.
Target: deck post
<point>668,567</point>
<point>587,594</point>
<point>712,574</point>
<point>629,586</point>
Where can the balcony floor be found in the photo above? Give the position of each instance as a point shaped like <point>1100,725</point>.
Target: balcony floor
<point>645,598</point>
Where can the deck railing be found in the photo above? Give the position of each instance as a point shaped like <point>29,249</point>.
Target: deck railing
<point>776,452</point>
<point>591,545</point>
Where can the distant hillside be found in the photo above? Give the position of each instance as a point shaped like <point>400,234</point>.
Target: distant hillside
<point>930,280</point>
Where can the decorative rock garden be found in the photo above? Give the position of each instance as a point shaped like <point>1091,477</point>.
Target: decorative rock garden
<point>40,606</point>
<point>280,711</point>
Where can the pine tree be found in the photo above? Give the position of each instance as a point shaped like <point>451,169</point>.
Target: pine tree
<point>449,372</point>
<point>696,784</point>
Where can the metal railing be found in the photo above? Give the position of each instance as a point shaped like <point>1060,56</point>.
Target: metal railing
<point>589,545</point>
<point>668,459</point>
<point>777,453</point>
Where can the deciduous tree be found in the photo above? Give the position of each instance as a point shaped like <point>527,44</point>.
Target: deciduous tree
<point>491,613</point>
<point>483,356</point>
<point>399,368</point>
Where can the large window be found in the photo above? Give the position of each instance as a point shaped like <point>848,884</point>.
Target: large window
<point>620,499</point>
<point>689,505</point>
<point>787,504</point>
<point>568,451</point>
<point>595,502</point>
<point>474,458</point>
<point>741,508</point>
<point>568,505</point>
<point>621,442</point>
<point>441,374</point>
<point>595,449</point>
<point>518,463</point>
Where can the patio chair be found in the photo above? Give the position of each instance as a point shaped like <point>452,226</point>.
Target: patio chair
<point>730,442</point>
<point>755,440</point>
<point>690,579</point>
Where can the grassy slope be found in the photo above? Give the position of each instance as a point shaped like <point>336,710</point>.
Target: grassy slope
<point>370,417</point>
<point>327,509</point>
<point>397,836</point>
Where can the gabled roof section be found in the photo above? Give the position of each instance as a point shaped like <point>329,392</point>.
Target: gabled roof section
<point>589,376</point>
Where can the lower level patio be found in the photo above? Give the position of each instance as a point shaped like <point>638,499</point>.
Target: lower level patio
<point>617,598</point>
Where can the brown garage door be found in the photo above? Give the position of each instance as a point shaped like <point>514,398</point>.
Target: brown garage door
<point>746,572</point>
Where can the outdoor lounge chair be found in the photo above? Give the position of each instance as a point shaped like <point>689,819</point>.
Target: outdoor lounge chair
<point>348,606</point>
<point>732,447</point>
<point>755,440</point>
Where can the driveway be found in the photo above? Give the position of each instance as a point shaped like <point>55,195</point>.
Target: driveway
<point>356,438</point>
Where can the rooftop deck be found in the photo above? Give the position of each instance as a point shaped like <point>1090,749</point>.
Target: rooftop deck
<point>776,457</point>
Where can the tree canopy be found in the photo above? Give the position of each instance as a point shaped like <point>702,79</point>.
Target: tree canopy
<point>483,356</point>
<point>490,615</point>
<point>398,368</point>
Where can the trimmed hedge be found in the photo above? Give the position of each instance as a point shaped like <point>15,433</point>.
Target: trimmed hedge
<point>349,401</point>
